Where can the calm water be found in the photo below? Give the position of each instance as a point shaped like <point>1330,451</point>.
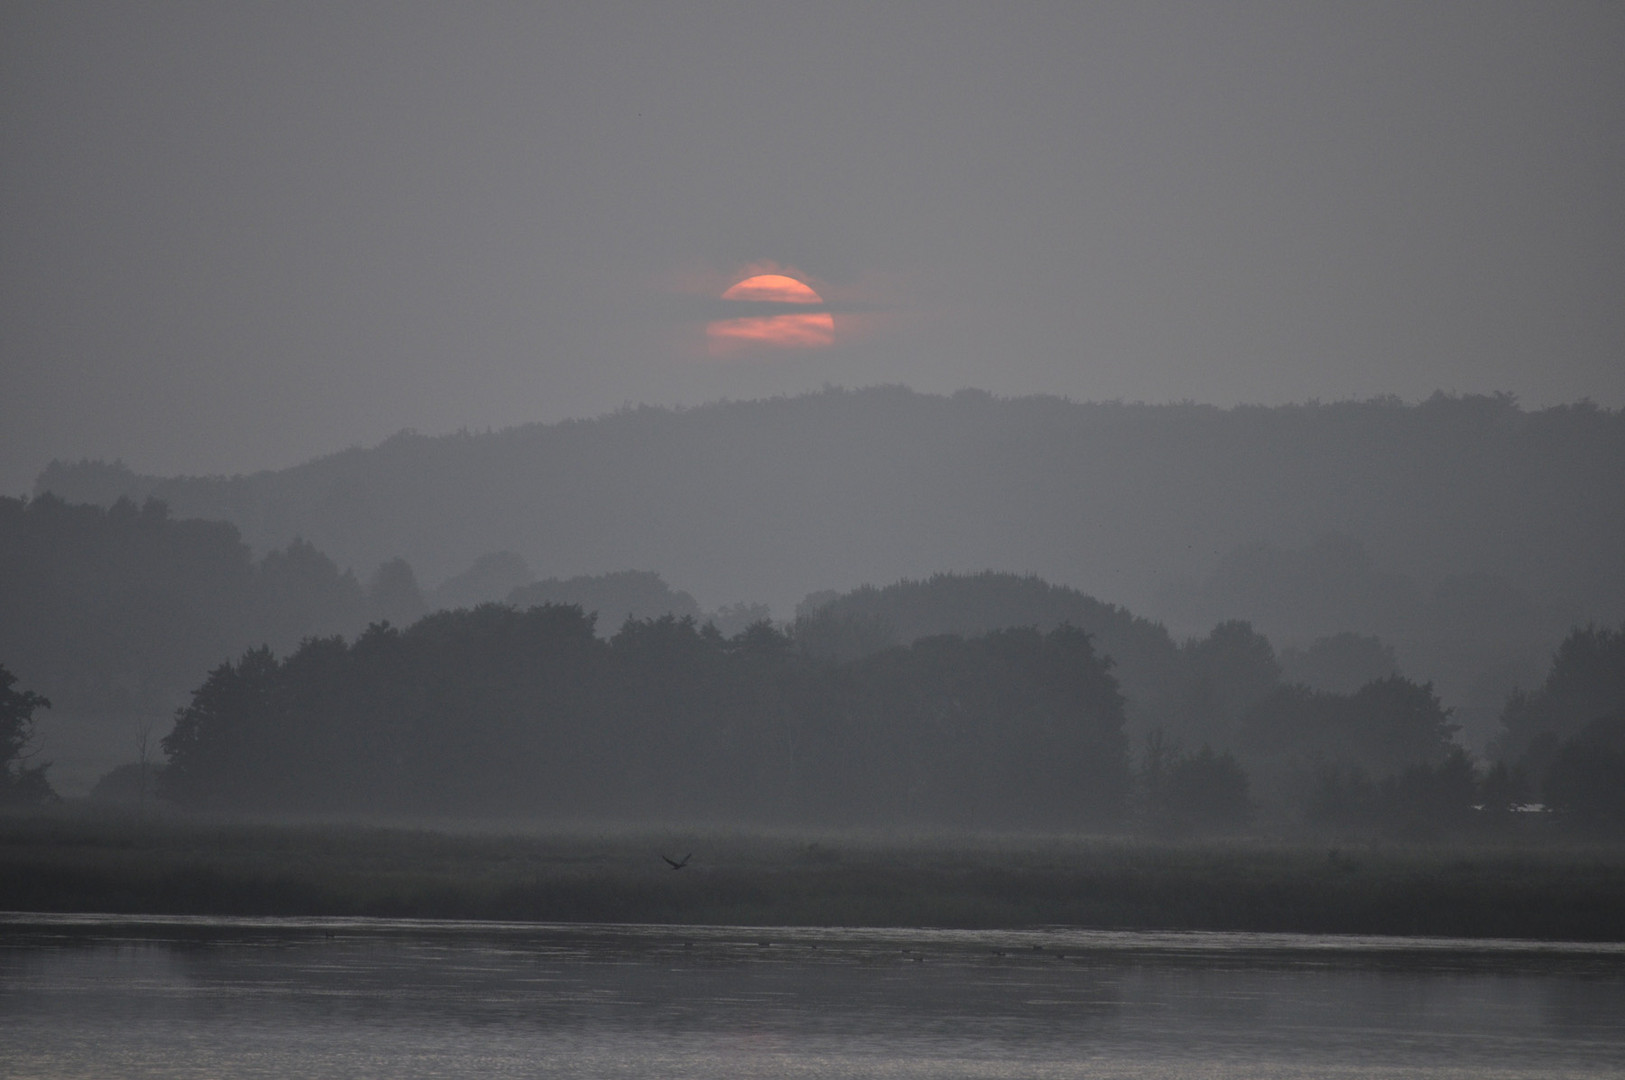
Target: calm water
<point>111,997</point>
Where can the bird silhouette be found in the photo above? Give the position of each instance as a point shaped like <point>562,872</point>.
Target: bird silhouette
<point>678,864</point>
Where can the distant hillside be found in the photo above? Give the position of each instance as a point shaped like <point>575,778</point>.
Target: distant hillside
<point>1145,660</point>
<point>770,500</point>
<point>116,614</point>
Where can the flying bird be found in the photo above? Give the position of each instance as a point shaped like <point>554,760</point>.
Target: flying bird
<point>676,864</point>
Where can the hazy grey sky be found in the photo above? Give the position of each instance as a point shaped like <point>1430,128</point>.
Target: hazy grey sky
<point>236,236</point>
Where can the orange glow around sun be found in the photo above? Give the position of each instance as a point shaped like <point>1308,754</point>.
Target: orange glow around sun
<point>781,330</point>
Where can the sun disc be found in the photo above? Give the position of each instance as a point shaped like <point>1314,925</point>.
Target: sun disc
<point>778,287</point>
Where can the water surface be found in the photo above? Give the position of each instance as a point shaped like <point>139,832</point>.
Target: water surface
<point>91,996</point>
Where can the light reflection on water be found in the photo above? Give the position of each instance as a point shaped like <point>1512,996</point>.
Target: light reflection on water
<point>92,996</point>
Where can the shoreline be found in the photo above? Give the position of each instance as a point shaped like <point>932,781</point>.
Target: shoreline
<point>1046,941</point>
<point>75,864</point>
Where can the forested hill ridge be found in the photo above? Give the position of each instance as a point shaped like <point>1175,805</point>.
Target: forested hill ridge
<point>117,616</point>
<point>770,500</point>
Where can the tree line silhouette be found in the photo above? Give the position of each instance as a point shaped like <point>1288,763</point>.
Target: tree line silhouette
<point>915,702</point>
<point>499,712</point>
<point>22,783</point>
<point>495,711</point>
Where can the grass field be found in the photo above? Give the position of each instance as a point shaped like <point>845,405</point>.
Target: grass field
<point>80,861</point>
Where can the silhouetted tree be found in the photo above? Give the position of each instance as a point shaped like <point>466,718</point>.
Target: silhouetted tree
<point>20,783</point>
<point>1585,784</point>
<point>1207,791</point>
<point>1226,675</point>
<point>225,750</point>
<point>1394,723</point>
<point>1383,727</point>
<point>1200,792</point>
<point>1341,797</point>
<point>1424,801</point>
<point>1586,682</point>
<point>1431,799</point>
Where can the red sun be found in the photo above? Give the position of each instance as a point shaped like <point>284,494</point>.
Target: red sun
<point>779,330</point>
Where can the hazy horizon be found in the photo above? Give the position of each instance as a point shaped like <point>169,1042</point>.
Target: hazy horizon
<point>241,238</point>
<point>767,501</point>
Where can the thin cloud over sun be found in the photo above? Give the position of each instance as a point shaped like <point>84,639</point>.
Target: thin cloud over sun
<point>778,330</point>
